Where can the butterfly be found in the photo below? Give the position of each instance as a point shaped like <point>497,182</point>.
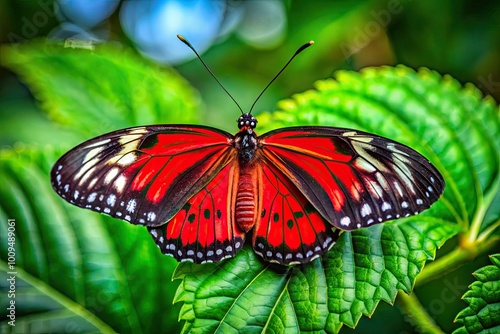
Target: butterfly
<point>201,192</point>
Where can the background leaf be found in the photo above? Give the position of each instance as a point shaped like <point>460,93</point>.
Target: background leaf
<point>77,271</point>
<point>95,92</point>
<point>483,313</point>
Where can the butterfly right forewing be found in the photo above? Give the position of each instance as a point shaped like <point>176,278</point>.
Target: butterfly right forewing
<point>354,179</point>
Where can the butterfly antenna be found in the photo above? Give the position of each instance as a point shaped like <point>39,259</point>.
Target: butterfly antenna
<point>302,48</point>
<point>183,40</point>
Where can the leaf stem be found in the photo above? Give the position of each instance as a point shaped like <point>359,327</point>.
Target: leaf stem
<point>455,259</point>
<point>66,302</point>
<point>415,313</point>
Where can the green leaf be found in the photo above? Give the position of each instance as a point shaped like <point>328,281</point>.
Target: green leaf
<point>100,90</point>
<point>483,313</point>
<point>363,267</point>
<point>76,270</point>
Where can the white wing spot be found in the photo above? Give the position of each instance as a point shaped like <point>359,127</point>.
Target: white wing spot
<point>398,188</point>
<point>419,201</point>
<point>190,252</point>
<point>218,251</point>
<point>131,206</point>
<point>120,183</point>
<point>370,221</point>
<point>66,188</point>
<point>432,179</point>
<point>151,216</point>
<point>92,183</point>
<point>127,159</point>
<point>199,254</point>
<point>349,133</point>
<point>58,178</point>
<point>107,210</point>
<point>92,197</point>
<point>154,233</point>
<point>237,244</point>
<point>161,240</point>
<point>269,253</point>
<point>229,249</point>
<point>345,221</point>
<point>404,205</point>
<point>101,197</point>
<point>364,165</point>
<point>288,256</point>
<point>59,167</point>
<point>430,189</point>
<point>99,143</point>
<point>75,195</point>
<point>327,242</point>
<point>366,210</point>
<point>386,206</point>
<point>92,154</point>
<point>299,256</point>
<point>111,200</point>
<point>358,225</point>
<point>127,217</point>
<point>119,214</point>
<point>111,175</point>
<point>210,253</point>
<point>279,256</point>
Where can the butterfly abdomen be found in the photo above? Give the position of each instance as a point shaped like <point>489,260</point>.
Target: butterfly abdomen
<point>246,197</point>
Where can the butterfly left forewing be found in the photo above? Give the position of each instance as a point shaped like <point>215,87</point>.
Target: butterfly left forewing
<point>143,175</point>
<point>354,179</point>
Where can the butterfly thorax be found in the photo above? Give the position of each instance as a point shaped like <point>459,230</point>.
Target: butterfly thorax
<point>246,140</point>
<point>246,144</point>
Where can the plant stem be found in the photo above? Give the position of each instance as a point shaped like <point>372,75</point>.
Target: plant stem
<point>415,313</point>
<point>454,260</point>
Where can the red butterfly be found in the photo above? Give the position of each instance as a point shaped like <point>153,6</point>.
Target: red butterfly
<point>200,190</point>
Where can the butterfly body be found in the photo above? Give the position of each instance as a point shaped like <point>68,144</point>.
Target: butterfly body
<point>201,191</point>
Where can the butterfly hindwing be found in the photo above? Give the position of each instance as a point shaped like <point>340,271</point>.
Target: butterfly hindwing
<point>289,230</point>
<point>354,179</point>
<point>143,175</point>
<point>204,230</point>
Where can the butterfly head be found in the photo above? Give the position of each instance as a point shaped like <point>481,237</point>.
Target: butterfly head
<point>246,120</point>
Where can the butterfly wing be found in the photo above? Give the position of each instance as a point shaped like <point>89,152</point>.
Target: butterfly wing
<point>354,179</point>
<point>143,175</point>
<point>204,230</point>
<point>289,230</point>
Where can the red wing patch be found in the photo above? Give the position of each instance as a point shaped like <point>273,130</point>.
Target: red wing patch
<point>204,230</point>
<point>290,230</point>
<point>143,175</point>
<point>354,179</point>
